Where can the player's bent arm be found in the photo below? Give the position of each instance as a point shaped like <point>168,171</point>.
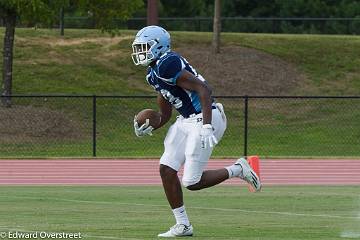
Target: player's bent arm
<point>165,110</point>
<point>188,81</point>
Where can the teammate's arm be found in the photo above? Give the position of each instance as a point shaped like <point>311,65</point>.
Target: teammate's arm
<point>165,110</point>
<point>190,82</point>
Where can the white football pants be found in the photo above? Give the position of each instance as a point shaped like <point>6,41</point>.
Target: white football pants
<point>183,145</point>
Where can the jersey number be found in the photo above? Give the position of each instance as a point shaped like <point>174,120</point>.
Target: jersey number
<point>175,101</point>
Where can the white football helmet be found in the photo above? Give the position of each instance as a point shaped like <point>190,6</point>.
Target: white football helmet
<point>150,43</point>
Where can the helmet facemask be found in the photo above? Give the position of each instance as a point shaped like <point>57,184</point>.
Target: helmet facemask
<point>150,44</point>
<point>143,52</point>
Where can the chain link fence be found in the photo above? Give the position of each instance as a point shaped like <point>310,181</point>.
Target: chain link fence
<point>301,126</point>
<point>102,126</point>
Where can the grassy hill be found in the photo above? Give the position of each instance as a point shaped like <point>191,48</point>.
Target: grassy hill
<point>89,62</point>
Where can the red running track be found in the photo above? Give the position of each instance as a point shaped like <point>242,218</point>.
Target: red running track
<point>145,172</point>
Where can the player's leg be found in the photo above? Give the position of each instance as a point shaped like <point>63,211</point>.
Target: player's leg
<point>242,169</point>
<point>170,163</point>
<point>172,186</point>
<point>195,178</point>
<point>210,178</point>
<point>173,191</point>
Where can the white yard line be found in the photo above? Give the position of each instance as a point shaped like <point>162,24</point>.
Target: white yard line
<point>108,237</point>
<point>200,208</point>
<point>349,234</point>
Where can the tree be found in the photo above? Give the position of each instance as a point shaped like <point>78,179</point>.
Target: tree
<point>9,19</point>
<point>104,12</point>
<point>217,26</point>
<point>11,11</point>
<point>183,8</point>
<point>45,12</point>
<point>152,12</point>
<point>61,22</point>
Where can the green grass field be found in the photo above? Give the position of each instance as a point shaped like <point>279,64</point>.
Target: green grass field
<point>310,212</point>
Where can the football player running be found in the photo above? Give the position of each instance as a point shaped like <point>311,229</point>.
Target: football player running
<point>198,128</point>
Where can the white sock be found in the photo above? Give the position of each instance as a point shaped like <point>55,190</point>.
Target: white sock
<point>181,216</point>
<point>234,170</point>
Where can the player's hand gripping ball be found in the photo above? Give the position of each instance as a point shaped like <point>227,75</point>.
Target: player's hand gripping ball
<point>146,121</point>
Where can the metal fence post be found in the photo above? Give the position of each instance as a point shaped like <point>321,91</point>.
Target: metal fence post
<point>246,118</point>
<point>94,125</point>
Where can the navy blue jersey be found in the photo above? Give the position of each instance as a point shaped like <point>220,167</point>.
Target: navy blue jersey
<point>162,77</point>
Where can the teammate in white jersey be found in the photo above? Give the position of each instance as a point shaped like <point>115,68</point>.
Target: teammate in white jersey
<point>199,127</point>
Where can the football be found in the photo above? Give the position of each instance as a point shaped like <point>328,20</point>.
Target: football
<point>153,116</point>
